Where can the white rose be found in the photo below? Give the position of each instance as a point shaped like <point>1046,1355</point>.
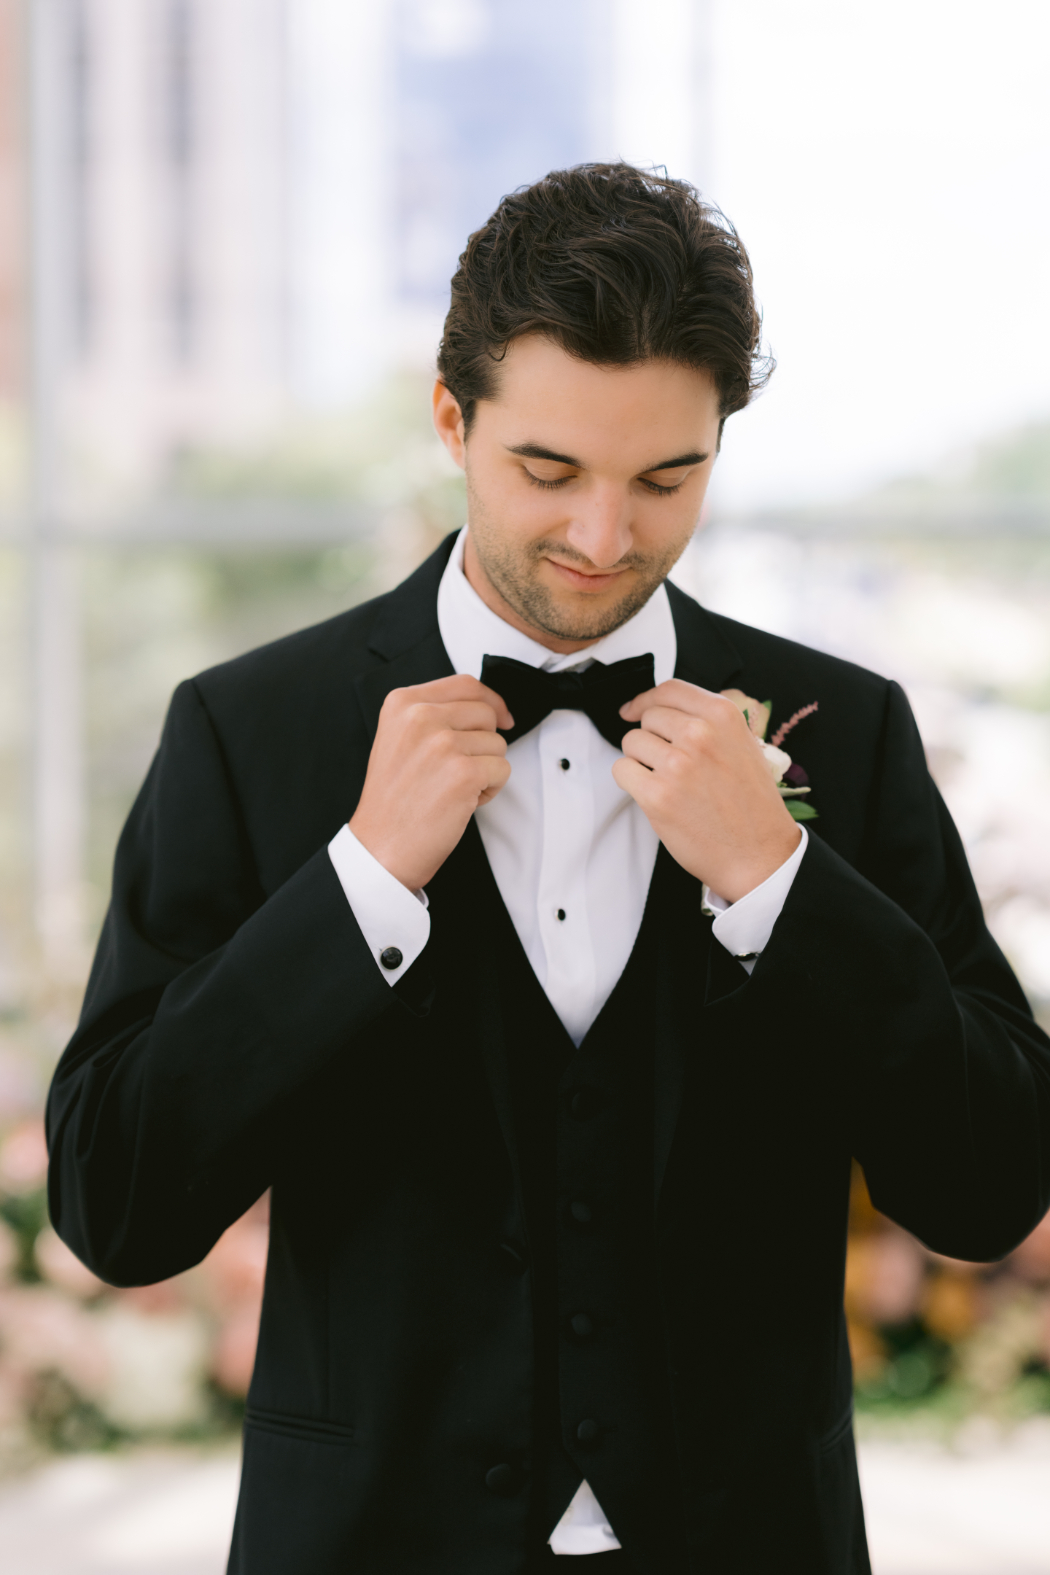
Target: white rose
<point>776,759</point>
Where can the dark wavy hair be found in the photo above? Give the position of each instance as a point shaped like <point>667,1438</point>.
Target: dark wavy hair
<point>617,265</point>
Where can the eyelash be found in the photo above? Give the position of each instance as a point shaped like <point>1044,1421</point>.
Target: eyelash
<point>653,486</point>
<point>666,492</point>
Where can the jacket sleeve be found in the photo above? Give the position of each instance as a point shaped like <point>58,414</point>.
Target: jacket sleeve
<point>883,979</point>
<point>210,1009</point>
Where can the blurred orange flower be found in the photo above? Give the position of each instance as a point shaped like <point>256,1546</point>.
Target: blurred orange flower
<point>884,1275</point>
<point>950,1305</point>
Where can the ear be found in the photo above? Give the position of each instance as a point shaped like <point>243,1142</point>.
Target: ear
<point>448,424</point>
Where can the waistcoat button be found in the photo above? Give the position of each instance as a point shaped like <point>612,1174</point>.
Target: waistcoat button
<point>589,1432</point>
<point>582,1325</point>
<point>501,1480</point>
<point>585,1103</point>
<point>581,1213</point>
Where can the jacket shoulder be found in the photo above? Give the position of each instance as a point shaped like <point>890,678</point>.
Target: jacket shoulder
<point>303,657</point>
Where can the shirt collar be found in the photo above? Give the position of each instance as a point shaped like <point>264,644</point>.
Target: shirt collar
<point>470,630</point>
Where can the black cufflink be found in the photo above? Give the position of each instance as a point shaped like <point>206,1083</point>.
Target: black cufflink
<point>390,957</point>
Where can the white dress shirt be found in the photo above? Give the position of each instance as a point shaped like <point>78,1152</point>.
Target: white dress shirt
<point>572,856</point>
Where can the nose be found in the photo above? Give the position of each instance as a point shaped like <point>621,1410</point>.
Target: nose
<point>601,526</point>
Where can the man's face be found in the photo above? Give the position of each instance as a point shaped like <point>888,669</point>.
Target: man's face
<point>584,485</point>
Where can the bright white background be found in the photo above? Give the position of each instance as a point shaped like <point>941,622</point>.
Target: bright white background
<point>888,167</point>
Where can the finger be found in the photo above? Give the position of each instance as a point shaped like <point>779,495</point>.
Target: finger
<point>649,749</point>
<point>496,780</point>
<point>674,725</point>
<point>464,716</point>
<point>460,686</point>
<point>499,705</point>
<point>633,778</point>
<point>481,743</point>
<point>677,693</point>
<point>489,774</point>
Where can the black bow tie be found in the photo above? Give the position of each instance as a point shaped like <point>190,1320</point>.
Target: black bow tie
<point>531,694</point>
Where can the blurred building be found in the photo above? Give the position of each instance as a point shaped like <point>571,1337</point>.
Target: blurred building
<point>261,201</point>
<point>12,198</point>
<point>172,159</point>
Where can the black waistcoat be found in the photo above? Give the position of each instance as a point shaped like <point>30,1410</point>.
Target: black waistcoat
<point>583,1123</point>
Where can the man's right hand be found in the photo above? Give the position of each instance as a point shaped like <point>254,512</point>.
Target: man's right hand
<point>436,757</point>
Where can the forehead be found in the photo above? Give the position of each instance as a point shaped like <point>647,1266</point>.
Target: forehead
<point>625,414</point>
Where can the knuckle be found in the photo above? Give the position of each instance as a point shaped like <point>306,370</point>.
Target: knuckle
<point>394,702</point>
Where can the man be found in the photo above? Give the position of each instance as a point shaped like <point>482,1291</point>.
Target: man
<point>478,925</point>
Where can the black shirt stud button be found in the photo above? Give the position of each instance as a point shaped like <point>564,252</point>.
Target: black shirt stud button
<point>589,1431</point>
<point>501,1480</point>
<point>582,1325</point>
<point>564,764</point>
<point>561,913</point>
<point>390,957</point>
<point>581,1213</point>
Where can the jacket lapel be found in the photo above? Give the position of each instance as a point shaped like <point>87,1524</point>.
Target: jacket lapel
<point>406,638</point>
<point>708,658</point>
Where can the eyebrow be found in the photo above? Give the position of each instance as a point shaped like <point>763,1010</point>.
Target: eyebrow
<point>537,451</point>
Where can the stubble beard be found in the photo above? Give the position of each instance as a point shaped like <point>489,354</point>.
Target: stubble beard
<point>514,572</point>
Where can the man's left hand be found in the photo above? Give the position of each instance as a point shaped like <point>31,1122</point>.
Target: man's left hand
<point>701,777</point>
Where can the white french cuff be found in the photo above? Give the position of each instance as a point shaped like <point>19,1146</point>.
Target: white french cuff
<point>744,927</point>
<point>392,919</point>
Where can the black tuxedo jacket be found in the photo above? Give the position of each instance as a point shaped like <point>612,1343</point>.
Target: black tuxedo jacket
<point>238,1035</point>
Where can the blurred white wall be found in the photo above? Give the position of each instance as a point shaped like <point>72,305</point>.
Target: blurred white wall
<point>887,166</point>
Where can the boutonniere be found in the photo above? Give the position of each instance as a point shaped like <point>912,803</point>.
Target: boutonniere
<point>788,775</point>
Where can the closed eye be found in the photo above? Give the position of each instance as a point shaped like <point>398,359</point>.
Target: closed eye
<point>560,481</point>
<point>654,486</point>
<point>551,486</point>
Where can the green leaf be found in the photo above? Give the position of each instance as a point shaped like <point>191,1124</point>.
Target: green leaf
<point>799,810</point>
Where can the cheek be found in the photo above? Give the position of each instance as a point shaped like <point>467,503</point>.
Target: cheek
<point>532,509</point>
<point>666,524</point>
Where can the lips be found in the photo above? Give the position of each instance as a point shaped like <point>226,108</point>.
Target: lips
<point>585,582</point>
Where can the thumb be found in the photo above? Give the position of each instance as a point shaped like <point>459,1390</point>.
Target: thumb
<point>504,720</point>
<point>632,711</point>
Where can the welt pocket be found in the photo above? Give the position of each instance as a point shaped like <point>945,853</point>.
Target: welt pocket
<point>834,1436</point>
<point>309,1429</point>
